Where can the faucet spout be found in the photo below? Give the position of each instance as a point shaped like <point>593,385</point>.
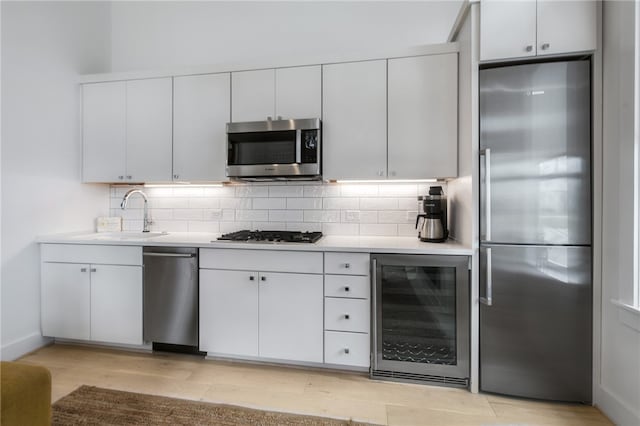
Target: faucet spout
<point>125,199</point>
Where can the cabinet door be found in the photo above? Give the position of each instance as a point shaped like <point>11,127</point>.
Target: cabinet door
<point>149,130</point>
<point>507,29</point>
<point>103,132</point>
<point>201,109</point>
<point>423,117</point>
<point>229,312</point>
<point>291,312</point>
<point>566,26</point>
<point>253,95</point>
<point>354,100</point>
<point>116,304</point>
<point>65,300</point>
<point>299,92</point>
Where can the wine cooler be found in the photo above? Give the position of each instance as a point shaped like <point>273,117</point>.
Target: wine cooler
<point>420,318</point>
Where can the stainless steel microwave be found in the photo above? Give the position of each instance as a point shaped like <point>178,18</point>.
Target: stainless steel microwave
<point>274,149</point>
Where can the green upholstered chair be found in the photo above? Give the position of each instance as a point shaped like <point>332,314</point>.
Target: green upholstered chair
<point>25,394</point>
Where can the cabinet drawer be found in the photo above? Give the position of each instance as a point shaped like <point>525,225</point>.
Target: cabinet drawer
<point>346,263</point>
<point>89,253</point>
<point>353,286</point>
<point>347,348</point>
<point>262,260</point>
<point>346,315</point>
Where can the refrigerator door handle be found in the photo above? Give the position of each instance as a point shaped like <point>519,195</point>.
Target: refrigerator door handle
<point>486,153</point>
<point>488,299</point>
<point>374,313</point>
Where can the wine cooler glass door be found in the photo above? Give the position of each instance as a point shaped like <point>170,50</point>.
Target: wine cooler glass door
<point>422,314</point>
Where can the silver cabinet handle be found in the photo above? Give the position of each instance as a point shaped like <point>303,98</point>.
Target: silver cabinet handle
<point>279,117</point>
<point>83,269</point>
<point>176,176</point>
<point>347,265</point>
<point>156,254</point>
<point>487,178</point>
<point>346,316</point>
<point>380,173</point>
<point>545,46</point>
<point>121,177</point>
<point>393,173</point>
<point>263,278</point>
<point>488,300</point>
<point>529,48</point>
<point>346,351</point>
<point>93,270</point>
<point>251,278</point>
<point>269,118</point>
<point>346,289</point>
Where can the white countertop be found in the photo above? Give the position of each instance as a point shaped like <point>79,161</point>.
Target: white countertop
<point>407,245</point>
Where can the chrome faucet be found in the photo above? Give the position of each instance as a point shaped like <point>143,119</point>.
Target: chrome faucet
<point>123,205</point>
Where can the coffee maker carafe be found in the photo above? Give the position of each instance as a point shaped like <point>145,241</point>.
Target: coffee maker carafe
<point>433,228</point>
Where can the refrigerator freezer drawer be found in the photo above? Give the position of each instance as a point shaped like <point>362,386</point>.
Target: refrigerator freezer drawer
<point>535,338</point>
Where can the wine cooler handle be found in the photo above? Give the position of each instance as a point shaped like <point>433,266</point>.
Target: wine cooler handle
<point>488,300</point>
<point>486,153</point>
<point>374,311</point>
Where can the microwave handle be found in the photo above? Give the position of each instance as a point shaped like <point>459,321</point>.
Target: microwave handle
<point>298,146</point>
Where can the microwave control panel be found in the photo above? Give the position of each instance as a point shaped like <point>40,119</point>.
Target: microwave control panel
<point>310,146</point>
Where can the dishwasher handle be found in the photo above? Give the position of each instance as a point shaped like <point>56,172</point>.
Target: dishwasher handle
<point>158,254</point>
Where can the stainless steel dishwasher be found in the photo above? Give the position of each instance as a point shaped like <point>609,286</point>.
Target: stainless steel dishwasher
<point>171,298</point>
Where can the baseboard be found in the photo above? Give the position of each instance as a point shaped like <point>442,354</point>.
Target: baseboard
<point>17,348</point>
<point>617,411</point>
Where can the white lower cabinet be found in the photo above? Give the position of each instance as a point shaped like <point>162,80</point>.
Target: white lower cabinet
<point>275,315</point>
<point>347,348</point>
<point>92,301</point>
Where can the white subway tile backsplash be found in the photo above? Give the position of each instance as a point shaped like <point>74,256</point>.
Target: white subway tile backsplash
<point>378,203</point>
<point>285,191</point>
<point>286,216</point>
<point>304,203</point>
<point>252,215</point>
<point>269,203</point>
<point>334,209</point>
<point>340,203</point>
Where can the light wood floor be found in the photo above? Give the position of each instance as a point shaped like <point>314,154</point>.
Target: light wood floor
<point>306,391</point>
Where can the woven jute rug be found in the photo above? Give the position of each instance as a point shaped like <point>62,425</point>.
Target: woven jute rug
<point>90,405</point>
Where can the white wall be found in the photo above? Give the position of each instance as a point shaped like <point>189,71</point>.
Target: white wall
<point>45,46</point>
<point>618,386</point>
<point>173,34</point>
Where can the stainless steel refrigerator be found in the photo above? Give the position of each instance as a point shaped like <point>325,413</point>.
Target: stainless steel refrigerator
<point>535,226</point>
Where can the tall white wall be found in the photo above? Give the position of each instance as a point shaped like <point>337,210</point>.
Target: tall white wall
<point>45,46</point>
<point>618,385</point>
<point>173,34</point>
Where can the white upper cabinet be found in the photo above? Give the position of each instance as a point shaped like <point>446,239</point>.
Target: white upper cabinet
<point>507,29</point>
<point>201,109</point>
<point>253,95</point>
<point>126,131</point>
<point>103,132</point>
<point>517,29</point>
<point>284,92</point>
<point>354,98</point>
<point>566,26</point>
<point>299,92</point>
<point>149,123</point>
<point>423,117</point>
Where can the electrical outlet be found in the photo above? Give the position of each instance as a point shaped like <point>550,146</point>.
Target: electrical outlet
<point>352,216</point>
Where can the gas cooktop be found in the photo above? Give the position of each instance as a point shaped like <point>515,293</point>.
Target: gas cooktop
<point>272,236</point>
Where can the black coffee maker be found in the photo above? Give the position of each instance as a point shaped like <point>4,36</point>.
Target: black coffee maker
<point>433,228</point>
